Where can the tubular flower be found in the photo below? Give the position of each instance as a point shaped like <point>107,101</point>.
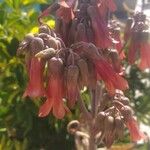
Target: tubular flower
<point>115,34</point>
<point>134,130</point>
<point>145,55</point>
<point>107,74</point>
<point>131,124</point>
<point>101,33</point>
<point>65,11</point>
<point>72,84</point>
<point>139,42</point>
<point>55,91</point>
<point>35,87</point>
<point>104,6</point>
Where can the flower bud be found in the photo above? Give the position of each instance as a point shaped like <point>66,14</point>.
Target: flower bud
<point>119,125</point>
<point>126,112</point>
<point>72,84</point>
<point>36,45</point>
<point>55,66</point>
<point>52,43</point>
<point>83,71</point>
<point>44,29</point>
<point>46,54</point>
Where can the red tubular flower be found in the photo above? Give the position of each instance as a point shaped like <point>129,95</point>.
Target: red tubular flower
<point>72,84</point>
<point>54,100</point>
<point>104,6</point>
<point>65,11</point>
<point>35,86</point>
<point>112,80</point>
<point>118,45</point>
<point>100,29</point>
<point>145,56</point>
<point>133,50</point>
<point>134,130</point>
<point>55,91</point>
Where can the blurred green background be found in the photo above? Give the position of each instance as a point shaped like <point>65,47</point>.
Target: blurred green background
<point>20,128</point>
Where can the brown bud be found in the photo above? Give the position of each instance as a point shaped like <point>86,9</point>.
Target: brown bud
<point>55,66</point>
<point>46,54</point>
<point>99,121</point>
<point>109,123</point>
<point>52,43</point>
<point>72,74</point>
<point>72,58</point>
<point>124,100</point>
<point>119,125</point>
<point>81,33</point>
<point>92,75</point>
<point>44,29</point>
<point>83,71</point>
<point>36,45</point>
<point>72,84</point>
<point>24,45</point>
<point>91,51</point>
<point>126,112</point>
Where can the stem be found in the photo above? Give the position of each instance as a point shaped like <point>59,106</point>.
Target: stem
<point>93,102</point>
<point>83,109</point>
<point>92,145</point>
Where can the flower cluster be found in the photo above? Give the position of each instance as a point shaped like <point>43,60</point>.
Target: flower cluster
<point>83,50</point>
<point>114,114</point>
<point>137,34</point>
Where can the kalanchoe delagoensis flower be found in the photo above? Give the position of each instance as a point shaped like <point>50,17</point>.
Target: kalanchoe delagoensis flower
<point>139,43</point>
<point>72,84</point>
<point>35,87</point>
<point>30,46</point>
<point>104,6</point>
<point>65,12</point>
<point>99,26</point>
<point>55,91</point>
<point>131,124</point>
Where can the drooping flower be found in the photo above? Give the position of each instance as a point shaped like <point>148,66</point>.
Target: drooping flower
<point>104,6</point>
<point>139,42</point>
<point>72,84</point>
<point>100,29</point>
<point>55,91</point>
<point>145,56</point>
<point>112,80</point>
<point>35,87</point>
<point>134,130</point>
<point>65,11</point>
<point>115,34</point>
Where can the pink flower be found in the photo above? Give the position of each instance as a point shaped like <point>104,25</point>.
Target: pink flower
<point>139,48</point>
<point>100,29</point>
<point>133,50</point>
<point>134,130</point>
<point>35,87</point>
<point>104,6</point>
<point>54,91</point>
<point>65,11</point>
<point>145,56</point>
<point>54,100</point>
<point>118,46</point>
<point>112,80</point>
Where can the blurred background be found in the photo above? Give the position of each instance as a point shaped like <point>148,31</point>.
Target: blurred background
<point>20,127</point>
